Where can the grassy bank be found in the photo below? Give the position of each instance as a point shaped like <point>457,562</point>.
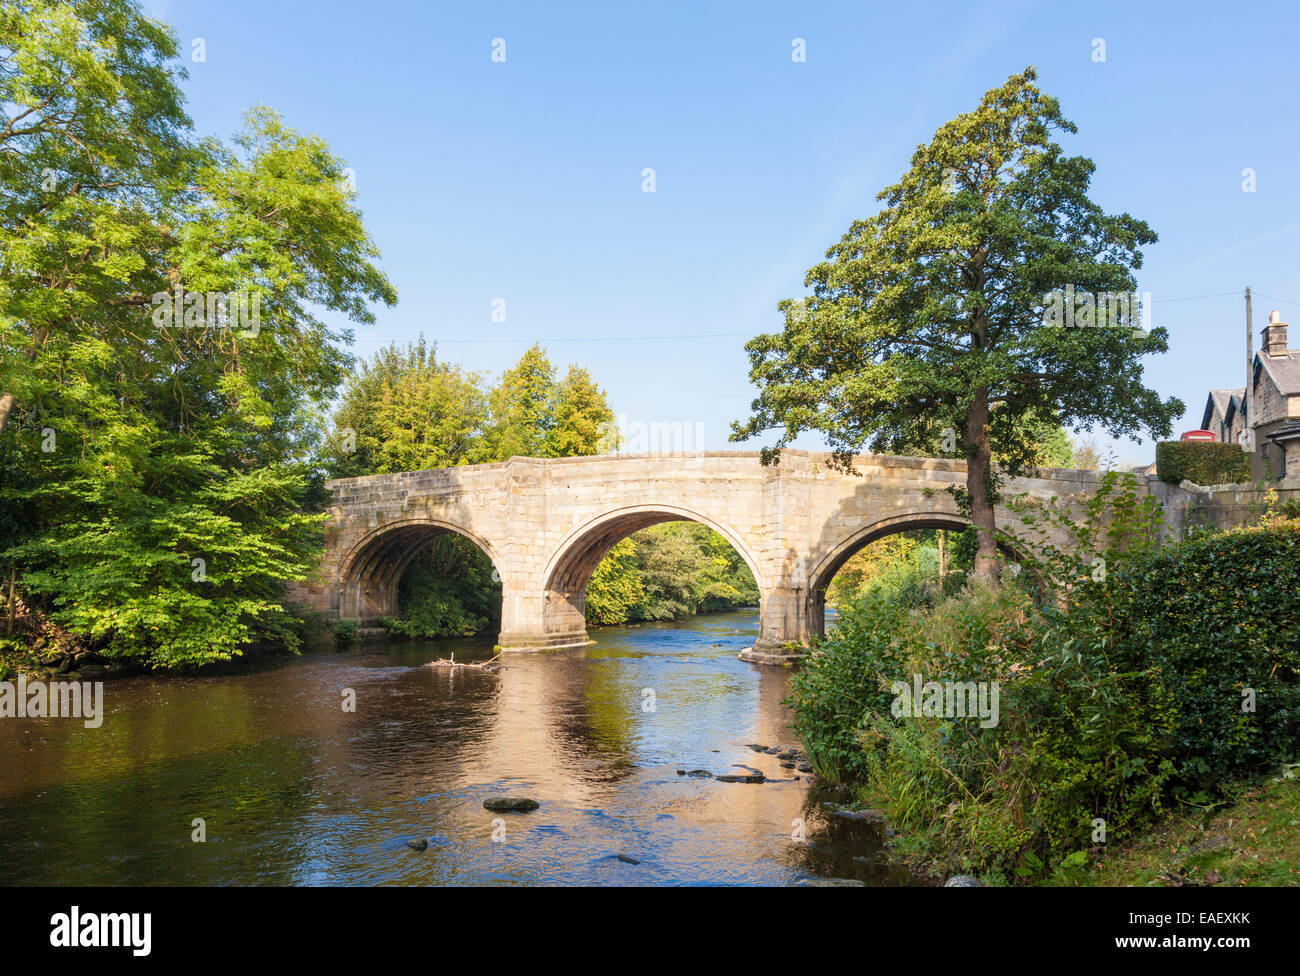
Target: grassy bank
<point>1253,841</point>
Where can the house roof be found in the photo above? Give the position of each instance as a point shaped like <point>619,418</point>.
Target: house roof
<point>1222,399</point>
<point>1287,432</point>
<point>1284,371</point>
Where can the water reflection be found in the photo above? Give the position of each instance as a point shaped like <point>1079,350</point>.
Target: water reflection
<point>292,789</point>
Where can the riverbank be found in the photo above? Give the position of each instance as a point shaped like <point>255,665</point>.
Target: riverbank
<point>1252,842</point>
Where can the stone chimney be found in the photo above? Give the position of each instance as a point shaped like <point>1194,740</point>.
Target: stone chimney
<point>1274,335</point>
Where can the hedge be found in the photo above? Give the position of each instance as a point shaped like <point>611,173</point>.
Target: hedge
<point>1217,622</point>
<point>1202,463</point>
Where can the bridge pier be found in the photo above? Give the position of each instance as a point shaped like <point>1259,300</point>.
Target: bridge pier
<point>548,622</point>
<point>786,625</point>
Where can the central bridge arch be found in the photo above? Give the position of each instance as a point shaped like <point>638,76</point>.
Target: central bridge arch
<point>570,566</point>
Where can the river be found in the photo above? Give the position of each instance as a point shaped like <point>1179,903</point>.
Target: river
<point>292,789</point>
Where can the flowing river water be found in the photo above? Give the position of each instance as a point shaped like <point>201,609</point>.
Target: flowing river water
<point>293,789</point>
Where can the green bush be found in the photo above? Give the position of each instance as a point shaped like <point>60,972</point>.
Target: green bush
<point>449,590</point>
<point>345,631</point>
<point>1202,463</point>
<point>1217,618</point>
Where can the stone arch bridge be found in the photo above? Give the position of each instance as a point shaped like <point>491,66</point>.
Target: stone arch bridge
<point>545,524</point>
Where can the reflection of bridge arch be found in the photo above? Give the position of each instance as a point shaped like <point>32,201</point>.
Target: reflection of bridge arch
<point>576,557</point>
<point>372,568</point>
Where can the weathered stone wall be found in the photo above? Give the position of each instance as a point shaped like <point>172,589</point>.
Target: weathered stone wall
<point>1187,505</point>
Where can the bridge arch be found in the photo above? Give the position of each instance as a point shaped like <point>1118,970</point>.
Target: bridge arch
<point>370,571</point>
<point>823,567</point>
<point>571,564</point>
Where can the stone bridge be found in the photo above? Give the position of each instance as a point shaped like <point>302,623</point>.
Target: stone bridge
<point>545,524</point>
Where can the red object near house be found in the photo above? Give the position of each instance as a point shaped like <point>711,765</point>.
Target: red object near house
<point>1197,435</point>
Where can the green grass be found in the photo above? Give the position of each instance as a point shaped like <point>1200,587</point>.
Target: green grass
<point>1253,842</point>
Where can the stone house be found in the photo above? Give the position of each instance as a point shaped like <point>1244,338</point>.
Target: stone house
<point>1225,415</point>
<point>1268,421</point>
<point>1275,395</point>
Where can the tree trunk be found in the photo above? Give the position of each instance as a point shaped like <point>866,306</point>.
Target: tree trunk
<point>943,553</point>
<point>7,401</point>
<point>979,464</point>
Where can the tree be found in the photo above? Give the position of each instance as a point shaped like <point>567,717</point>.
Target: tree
<point>615,587</point>
<point>930,314</point>
<point>533,416</point>
<point>161,354</point>
<point>580,417</point>
<point>523,408</point>
<point>403,410</point>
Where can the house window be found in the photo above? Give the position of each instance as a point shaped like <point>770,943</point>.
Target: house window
<point>1281,462</point>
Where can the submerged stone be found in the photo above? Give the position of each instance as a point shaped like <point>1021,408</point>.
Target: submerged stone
<point>511,804</point>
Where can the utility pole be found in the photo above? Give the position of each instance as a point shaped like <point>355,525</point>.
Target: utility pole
<point>1248,439</point>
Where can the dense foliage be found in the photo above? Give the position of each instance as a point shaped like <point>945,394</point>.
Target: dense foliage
<point>1123,669</point>
<point>406,410</point>
<point>1217,620</point>
<point>686,568</point>
<point>163,359</point>
<point>1202,463</point>
<point>448,590</point>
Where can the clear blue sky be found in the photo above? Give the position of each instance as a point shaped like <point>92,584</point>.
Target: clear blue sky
<point>522,180</point>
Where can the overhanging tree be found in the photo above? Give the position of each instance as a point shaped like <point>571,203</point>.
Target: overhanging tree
<point>930,314</point>
<point>154,467</point>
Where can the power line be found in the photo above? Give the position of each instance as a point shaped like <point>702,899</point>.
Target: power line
<point>1193,298</point>
<point>641,338</point>
<point>1273,298</point>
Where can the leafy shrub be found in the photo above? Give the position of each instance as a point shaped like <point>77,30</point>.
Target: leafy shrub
<point>1215,619</point>
<point>1202,463</point>
<point>615,587</point>
<point>1121,670</point>
<point>345,631</point>
<point>447,591</point>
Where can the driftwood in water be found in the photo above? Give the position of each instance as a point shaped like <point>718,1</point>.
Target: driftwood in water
<point>451,662</point>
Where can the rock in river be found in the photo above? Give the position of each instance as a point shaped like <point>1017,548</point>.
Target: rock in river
<point>418,845</point>
<point>511,804</point>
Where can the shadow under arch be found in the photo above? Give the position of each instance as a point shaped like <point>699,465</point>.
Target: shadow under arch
<point>371,570</point>
<point>823,572</point>
<point>575,558</point>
